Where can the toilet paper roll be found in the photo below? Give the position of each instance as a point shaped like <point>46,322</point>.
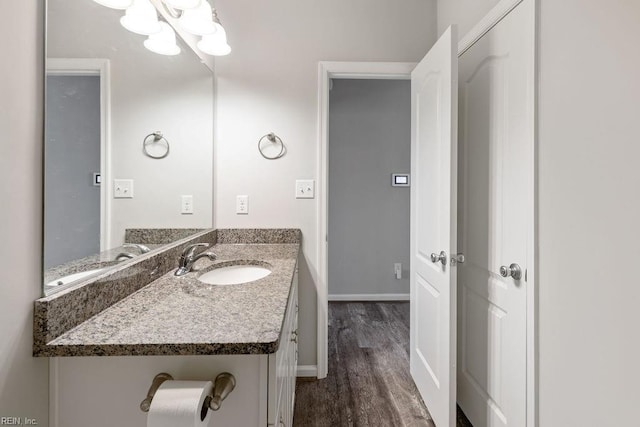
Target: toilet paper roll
<point>179,404</point>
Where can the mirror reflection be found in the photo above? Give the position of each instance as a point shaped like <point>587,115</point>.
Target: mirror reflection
<point>128,144</point>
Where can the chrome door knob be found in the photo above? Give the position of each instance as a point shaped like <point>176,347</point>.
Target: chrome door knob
<point>513,270</point>
<point>442,257</point>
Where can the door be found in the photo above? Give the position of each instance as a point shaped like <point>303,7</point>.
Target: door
<point>434,110</point>
<point>496,134</point>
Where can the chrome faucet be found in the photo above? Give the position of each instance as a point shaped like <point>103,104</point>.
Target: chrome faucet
<point>124,255</point>
<point>143,249</point>
<point>189,257</point>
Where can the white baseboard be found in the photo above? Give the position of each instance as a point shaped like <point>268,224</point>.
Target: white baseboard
<point>369,297</point>
<point>307,371</point>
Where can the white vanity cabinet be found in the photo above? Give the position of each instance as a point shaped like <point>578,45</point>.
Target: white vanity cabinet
<point>107,391</point>
<point>283,365</point>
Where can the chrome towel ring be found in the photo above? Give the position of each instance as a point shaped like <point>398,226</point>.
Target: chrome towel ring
<point>159,141</point>
<point>271,139</point>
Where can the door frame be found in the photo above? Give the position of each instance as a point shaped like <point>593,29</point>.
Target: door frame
<point>398,71</point>
<point>326,71</point>
<point>95,67</point>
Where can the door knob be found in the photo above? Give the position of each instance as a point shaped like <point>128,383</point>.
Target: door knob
<point>513,270</point>
<point>442,257</point>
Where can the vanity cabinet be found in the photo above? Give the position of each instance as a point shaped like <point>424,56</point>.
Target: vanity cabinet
<point>283,365</point>
<point>107,391</point>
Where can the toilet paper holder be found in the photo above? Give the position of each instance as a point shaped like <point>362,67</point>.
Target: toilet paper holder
<point>222,386</point>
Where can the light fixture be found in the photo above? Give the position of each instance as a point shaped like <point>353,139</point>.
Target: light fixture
<point>215,44</point>
<point>194,16</point>
<point>115,4</point>
<point>163,42</point>
<point>141,18</point>
<point>198,21</point>
<point>183,4</point>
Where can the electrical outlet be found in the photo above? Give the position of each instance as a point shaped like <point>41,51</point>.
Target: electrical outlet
<point>305,189</point>
<point>187,205</point>
<point>397,269</point>
<point>123,189</point>
<point>242,205</point>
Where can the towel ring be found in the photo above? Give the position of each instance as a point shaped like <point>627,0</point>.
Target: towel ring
<point>274,139</point>
<point>159,140</point>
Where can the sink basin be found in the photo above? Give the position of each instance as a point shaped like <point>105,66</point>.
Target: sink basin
<point>234,274</point>
<point>73,277</point>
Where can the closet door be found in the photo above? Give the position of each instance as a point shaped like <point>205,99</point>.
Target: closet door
<point>496,134</point>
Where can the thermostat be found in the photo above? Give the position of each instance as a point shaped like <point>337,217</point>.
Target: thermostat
<point>400,180</point>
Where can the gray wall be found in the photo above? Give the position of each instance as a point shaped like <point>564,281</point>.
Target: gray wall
<point>72,155</point>
<point>24,390</point>
<point>369,139</point>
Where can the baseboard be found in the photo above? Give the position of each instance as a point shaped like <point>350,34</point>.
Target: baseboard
<point>307,371</point>
<point>369,297</point>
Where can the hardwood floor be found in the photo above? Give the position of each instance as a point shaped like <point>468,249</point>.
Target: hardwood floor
<point>369,383</point>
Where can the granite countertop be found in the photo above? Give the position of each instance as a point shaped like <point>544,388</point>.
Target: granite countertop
<point>183,316</point>
<point>100,260</point>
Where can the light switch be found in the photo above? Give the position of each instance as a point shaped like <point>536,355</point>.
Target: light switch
<point>305,189</point>
<point>242,205</point>
<point>187,205</point>
<point>123,189</point>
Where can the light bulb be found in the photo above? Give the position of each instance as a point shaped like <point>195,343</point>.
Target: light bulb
<point>141,18</point>
<point>198,21</point>
<point>164,42</point>
<point>115,4</point>
<point>216,43</point>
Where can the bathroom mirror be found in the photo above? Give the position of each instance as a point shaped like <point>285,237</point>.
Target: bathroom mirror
<point>108,196</point>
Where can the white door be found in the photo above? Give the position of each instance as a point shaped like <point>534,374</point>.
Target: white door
<point>434,88</point>
<point>496,134</point>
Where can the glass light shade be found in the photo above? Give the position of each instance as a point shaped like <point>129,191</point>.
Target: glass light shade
<point>183,4</point>
<point>215,44</point>
<point>115,4</point>
<point>164,42</point>
<point>198,21</point>
<point>141,18</point>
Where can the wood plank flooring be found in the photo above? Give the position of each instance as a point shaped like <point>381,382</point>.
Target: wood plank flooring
<point>369,383</point>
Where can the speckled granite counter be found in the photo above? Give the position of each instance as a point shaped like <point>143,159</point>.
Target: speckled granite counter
<point>104,259</point>
<point>182,316</point>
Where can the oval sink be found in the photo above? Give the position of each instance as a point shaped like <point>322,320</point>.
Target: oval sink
<point>65,280</point>
<point>234,274</point>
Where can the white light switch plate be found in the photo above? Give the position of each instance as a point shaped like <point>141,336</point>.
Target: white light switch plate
<point>187,205</point>
<point>123,189</point>
<point>305,189</point>
<point>242,205</point>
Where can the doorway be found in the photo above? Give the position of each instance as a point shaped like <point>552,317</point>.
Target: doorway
<point>82,87</point>
<point>369,144</point>
<point>72,162</point>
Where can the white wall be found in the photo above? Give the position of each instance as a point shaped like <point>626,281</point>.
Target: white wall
<point>269,83</point>
<point>464,13</point>
<point>589,204</point>
<point>149,92</point>
<point>23,379</point>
